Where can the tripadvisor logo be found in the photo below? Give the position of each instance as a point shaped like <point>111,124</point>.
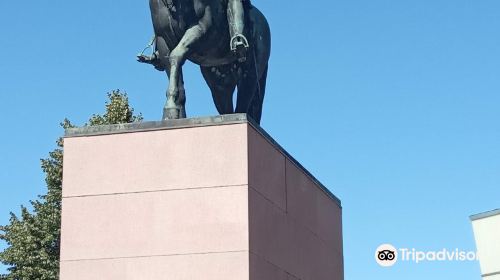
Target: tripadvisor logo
<point>387,255</point>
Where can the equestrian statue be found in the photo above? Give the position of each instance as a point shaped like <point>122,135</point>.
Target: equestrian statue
<point>229,39</point>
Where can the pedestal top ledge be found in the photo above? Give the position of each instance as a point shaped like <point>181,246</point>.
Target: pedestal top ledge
<point>189,123</point>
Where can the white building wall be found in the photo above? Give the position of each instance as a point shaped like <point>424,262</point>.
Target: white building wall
<point>487,233</point>
<point>493,277</point>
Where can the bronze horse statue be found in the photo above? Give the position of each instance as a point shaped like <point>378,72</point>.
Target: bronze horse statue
<point>198,31</point>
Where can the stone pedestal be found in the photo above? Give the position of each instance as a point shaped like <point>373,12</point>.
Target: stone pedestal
<point>208,198</point>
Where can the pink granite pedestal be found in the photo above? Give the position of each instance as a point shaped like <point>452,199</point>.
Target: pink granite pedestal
<point>209,198</point>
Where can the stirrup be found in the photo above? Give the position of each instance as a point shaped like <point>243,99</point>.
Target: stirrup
<point>238,41</point>
<point>239,46</point>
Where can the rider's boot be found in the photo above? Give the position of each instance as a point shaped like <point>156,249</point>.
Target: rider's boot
<point>153,59</point>
<point>236,18</point>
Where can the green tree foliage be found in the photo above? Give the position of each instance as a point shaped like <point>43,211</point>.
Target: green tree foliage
<point>33,236</point>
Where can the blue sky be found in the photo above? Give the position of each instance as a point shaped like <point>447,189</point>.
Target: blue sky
<point>394,105</point>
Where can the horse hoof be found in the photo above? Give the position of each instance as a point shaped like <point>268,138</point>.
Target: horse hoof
<point>171,113</point>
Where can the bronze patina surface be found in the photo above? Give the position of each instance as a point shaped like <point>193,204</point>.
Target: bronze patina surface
<point>229,39</point>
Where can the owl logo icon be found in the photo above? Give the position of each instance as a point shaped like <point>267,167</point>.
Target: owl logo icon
<point>386,255</point>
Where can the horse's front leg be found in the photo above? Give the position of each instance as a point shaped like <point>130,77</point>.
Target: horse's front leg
<point>173,107</point>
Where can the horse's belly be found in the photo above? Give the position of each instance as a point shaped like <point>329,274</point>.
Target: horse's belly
<point>209,61</point>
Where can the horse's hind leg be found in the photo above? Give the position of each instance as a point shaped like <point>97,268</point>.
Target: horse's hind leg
<point>255,111</point>
<point>247,85</point>
<point>222,81</point>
